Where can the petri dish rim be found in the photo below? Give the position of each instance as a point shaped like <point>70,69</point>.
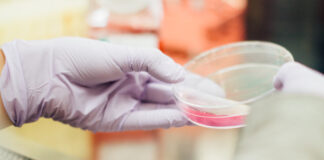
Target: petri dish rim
<point>217,127</point>
<point>285,52</point>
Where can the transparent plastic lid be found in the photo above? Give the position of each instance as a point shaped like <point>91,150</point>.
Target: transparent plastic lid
<point>223,81</point>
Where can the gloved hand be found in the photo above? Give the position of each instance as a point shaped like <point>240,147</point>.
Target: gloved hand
<point>296,78</point>
<point>89,84</point>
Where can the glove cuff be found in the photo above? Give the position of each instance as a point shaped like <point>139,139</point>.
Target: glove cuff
<point>13,87</point>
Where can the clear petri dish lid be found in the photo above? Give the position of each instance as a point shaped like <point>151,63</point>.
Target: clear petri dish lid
<point>228,78</point>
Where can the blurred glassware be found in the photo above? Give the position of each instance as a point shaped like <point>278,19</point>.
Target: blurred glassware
<point>192,26</point>
<point>130,22</point>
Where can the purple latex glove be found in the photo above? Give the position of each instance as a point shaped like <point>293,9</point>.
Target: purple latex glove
<point>90,84</point>
<point>297,78</point>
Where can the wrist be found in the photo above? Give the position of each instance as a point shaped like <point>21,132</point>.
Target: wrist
<point>4,119</point>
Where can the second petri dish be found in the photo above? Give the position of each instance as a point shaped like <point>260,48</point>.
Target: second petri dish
<point>225,80</point>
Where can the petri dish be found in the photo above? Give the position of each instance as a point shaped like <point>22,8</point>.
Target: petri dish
<point>226,80</point>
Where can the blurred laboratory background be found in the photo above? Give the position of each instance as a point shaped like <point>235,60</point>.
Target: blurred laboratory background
<point>181,29</point>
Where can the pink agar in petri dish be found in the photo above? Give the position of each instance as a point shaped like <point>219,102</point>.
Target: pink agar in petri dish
<point>214,120</point>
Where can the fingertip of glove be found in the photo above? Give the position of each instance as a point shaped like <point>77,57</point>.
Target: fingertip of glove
<point>161,66</point>
<point>277,83</point>
<point>169,71</point>
<point>177,73</point>
<point>279,78</point>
